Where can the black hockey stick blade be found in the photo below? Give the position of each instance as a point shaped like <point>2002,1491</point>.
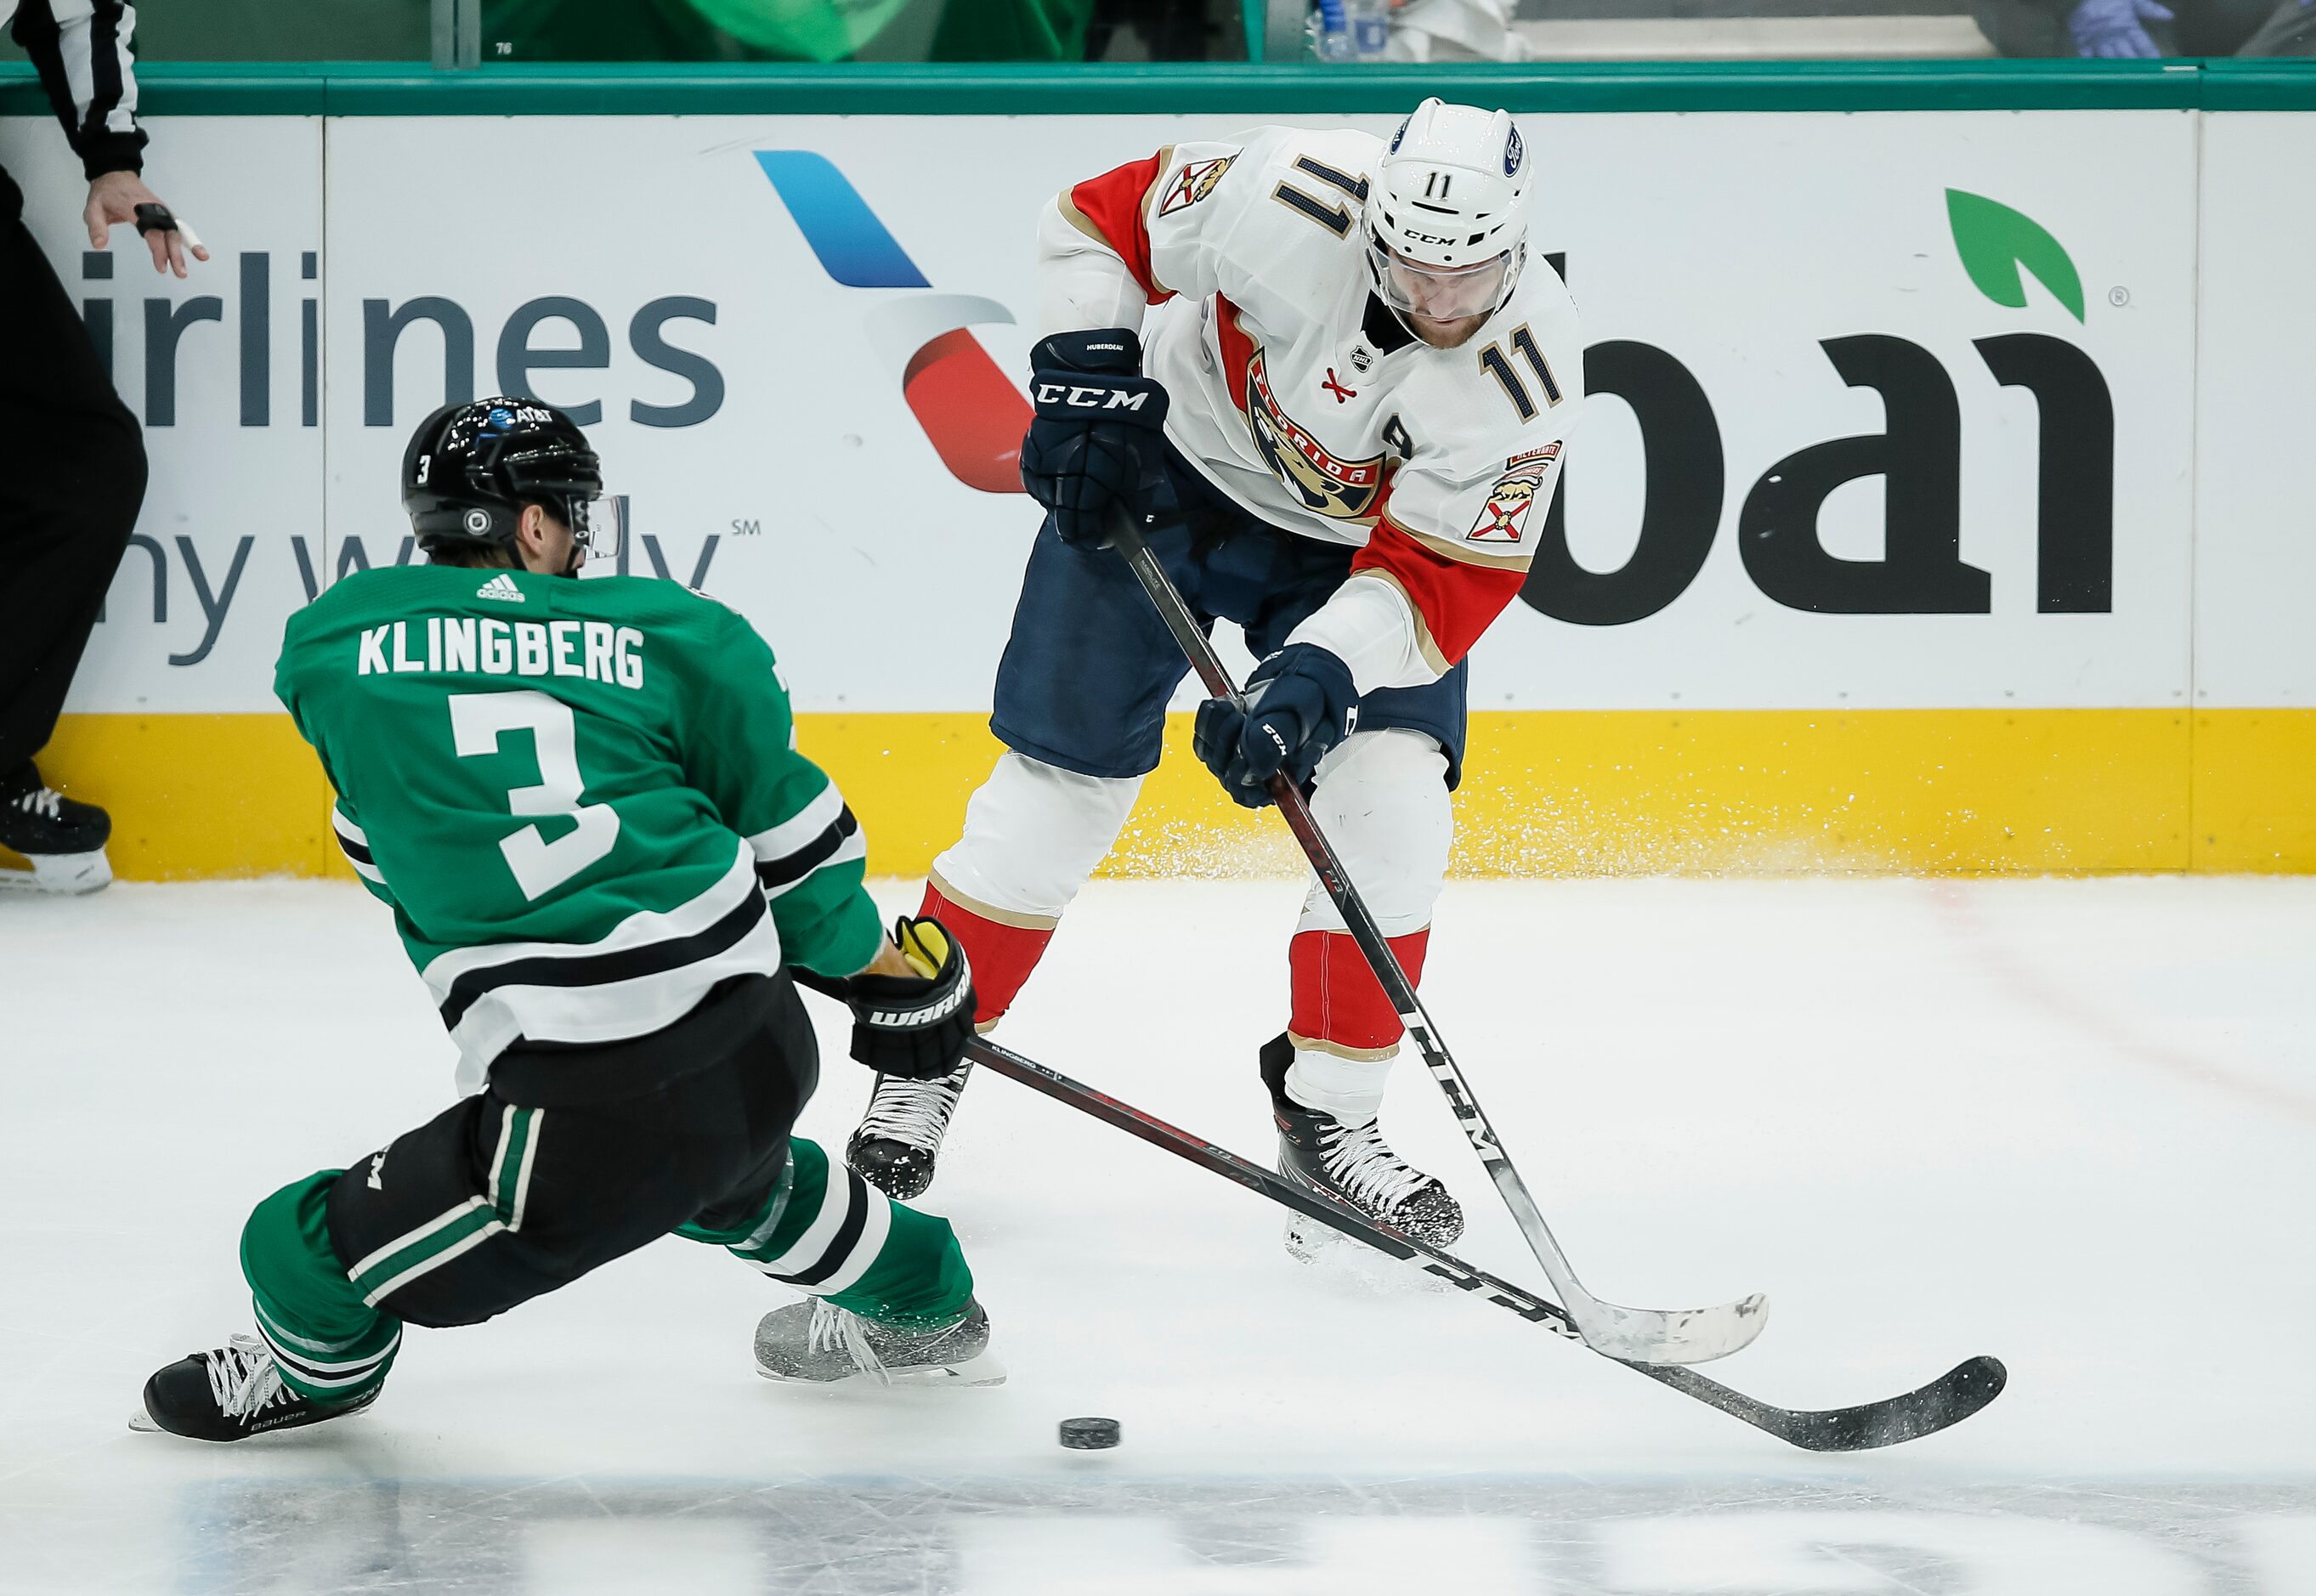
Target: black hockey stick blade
<point>1945,1401</point>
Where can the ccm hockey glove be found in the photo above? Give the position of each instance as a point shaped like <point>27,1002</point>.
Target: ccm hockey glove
<point>1300,702</point>
<point>916,1026</point>
<point>1096,421</point>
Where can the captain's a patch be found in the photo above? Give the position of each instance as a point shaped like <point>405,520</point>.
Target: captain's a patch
<point>1504,518</point>
<point>1194,183</point>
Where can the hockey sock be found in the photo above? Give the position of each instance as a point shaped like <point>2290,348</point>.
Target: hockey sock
<point>1344,1029</point>
<point>329,1345</point>
<point>829,1232</point>
<point>1002,955</point>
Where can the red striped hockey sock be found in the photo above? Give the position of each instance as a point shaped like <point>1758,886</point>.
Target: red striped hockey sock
<point>1002,955</point>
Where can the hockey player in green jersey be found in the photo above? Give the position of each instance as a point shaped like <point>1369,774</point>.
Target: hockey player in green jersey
<point>584,803</point>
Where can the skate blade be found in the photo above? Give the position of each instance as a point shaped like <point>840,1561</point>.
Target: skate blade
<point>1336,1255</point>
<point>142,1423</point>
<point>983,1371</point>
<point>69,874</point>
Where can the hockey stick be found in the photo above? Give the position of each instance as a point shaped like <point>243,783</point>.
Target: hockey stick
<point>1643,1335</point>
<point>1945,1401</point>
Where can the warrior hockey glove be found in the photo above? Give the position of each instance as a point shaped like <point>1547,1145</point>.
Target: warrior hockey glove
<point>1300,702</point>
<point>1096,433</point>
<point>916,1026</point>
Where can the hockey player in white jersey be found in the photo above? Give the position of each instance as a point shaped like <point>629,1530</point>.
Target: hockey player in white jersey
<point>1329,376</point>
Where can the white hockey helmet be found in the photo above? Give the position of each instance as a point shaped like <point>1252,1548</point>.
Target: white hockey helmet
<point>1447,215</point>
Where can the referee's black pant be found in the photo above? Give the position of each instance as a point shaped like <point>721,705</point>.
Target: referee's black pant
<point>71,476</point>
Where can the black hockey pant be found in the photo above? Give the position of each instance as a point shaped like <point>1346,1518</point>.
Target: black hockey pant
<point>71,476</point>
<point>572,1157</point>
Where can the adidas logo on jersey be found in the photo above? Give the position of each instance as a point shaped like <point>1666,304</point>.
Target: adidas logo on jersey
<point>501,586</point>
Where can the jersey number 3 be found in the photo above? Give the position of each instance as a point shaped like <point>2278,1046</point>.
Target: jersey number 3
<point>477,721</point>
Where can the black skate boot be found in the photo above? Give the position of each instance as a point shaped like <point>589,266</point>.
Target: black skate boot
<point>900,1135</point>
<point>1353,1165</point>
<point>819,1343</point>
<point>64,838</point>
<point>231,1393</point>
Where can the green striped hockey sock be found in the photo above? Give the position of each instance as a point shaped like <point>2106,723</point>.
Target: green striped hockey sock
<point>828,1232</point>
<point>329,1345</point>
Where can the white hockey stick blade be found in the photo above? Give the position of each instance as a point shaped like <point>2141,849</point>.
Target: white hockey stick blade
<point>1649,1335</point>
<point>1635,1335</point>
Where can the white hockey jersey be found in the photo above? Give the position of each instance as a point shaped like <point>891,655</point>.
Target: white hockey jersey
<point>1300,396</point>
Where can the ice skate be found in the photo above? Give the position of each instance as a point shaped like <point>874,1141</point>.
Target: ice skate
<point>1353,1165</point>
<point>818,1343</point>
<point>899,1138</point>
<point>63,839</point>
<point>231,1393</point>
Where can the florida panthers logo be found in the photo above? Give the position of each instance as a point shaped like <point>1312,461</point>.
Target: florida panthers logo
<point>1339,489</point>
<point>1504,518</point>
<point>1193,183</point>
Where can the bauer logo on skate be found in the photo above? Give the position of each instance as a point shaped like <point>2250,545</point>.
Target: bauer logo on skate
<point>460,644</point>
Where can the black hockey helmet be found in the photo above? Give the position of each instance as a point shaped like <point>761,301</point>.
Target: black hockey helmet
<point>470,468</point>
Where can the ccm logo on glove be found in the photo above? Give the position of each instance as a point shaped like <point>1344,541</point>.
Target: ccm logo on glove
<point>1089,398</point>
<point>1094,440</point>
<point>1300,702</point>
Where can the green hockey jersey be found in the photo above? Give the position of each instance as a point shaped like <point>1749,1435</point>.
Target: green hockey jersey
<point>582,799</point>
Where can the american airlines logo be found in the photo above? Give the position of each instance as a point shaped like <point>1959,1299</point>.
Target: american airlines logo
<point>971,411</point>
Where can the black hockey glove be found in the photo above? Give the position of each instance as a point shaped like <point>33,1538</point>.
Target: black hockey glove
<point>916,1026</point>
<point>1300,702</point>
<point>1096,435</point>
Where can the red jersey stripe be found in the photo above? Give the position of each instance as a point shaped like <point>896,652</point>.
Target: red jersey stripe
<point>1113,208</point>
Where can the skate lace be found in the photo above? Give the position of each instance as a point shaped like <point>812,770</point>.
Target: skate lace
<point>832,1327</point>
<point>43,800</point>
<point>913,1112</point>
<point>243,1378</point>
<point>1357,1159</point>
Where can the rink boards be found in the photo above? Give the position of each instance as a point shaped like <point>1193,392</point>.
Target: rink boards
<point>1938,508</point>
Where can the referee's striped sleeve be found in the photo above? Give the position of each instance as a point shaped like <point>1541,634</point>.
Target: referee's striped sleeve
<point>83,51</point>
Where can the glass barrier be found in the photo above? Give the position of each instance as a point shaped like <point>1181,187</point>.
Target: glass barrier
<point>463,33</point>
<point>1646,31</point>
<point>275,30</point>
<point>1352,31</point>
<point>828,31</point>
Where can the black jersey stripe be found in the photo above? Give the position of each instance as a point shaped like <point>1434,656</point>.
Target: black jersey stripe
<point>600,970</point>
<point>106,88</point>
<point>847,1237</point>
<point>357,851</point>
<point>792,867</point>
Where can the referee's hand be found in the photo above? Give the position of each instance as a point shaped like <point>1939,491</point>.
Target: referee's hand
<point>113,200</point>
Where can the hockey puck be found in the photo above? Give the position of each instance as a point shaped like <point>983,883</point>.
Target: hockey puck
<point>1089,1435</point>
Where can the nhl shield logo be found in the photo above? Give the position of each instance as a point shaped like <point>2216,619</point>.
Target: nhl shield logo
<point>1193,183</point>
<point>1503,520</point>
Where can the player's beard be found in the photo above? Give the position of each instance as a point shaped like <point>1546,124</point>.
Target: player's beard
<point>1442,334</point>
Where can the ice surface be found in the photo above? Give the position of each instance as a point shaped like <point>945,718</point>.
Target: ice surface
<point>2071,1123</point>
